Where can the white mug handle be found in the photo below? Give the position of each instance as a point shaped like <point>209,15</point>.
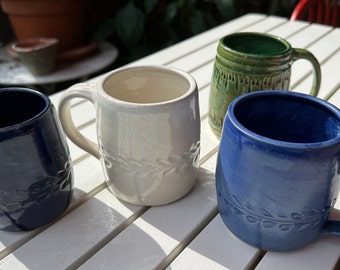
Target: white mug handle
<point>80,90</point>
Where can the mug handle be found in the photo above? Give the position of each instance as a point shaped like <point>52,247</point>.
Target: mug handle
<point>80,90</point>
<point>304,54</point>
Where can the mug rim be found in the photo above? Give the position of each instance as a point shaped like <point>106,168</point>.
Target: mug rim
<point>279,143</point>
<point>185,75</point>
<point>36,116</point>
<point>256,34</point>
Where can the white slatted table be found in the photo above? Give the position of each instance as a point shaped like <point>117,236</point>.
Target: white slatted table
<point>100,232</point>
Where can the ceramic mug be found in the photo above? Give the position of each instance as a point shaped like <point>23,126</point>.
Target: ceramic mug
<point>250,61</point>
<point>277,173</point>
<point>148,128</point>
<point>36,177</point>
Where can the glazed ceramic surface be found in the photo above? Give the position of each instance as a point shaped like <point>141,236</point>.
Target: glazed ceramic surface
<point>247,62</point>
<point>277,174</point>
<point>35,169</point>
<point>148,127</point>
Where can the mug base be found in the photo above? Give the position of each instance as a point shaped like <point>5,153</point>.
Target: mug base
<point>156,199</point>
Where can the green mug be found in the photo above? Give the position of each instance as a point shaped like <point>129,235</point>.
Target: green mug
<point>249,61</point>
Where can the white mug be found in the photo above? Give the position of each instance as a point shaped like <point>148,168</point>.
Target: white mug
<point>148,129</point>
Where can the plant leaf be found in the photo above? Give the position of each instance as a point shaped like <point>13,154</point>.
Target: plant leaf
<point>198,24</point>
<point>171,12</point>
<point>149,5</point>
<point>103,30</point>
<point>228,8</point>
<point>129,25</point>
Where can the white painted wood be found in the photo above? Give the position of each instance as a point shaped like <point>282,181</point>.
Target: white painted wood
<point>203,74</point>
<point>88,175</point>
<point>335,99</point>
<point>301,68</point>
<point>204,100</point>
<point>322,254</point>
<point>148,241</point>
<point>322,49</point>
<point>288,29</point>
<point>265,25</point>
<point>83,113</point>
<point>68,239</point>
<point>208,140</point>
<point>216,248</point>
<point>330,76</point>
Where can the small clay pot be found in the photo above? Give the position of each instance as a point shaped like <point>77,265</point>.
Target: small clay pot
<point>37,54</point>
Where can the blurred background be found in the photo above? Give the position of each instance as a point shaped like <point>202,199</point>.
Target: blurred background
<point>140,27</point>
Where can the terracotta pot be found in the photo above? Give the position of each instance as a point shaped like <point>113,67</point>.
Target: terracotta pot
<point>61,19</point>
<point>37,54</point>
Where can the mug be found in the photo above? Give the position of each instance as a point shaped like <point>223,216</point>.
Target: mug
<point>247,62</point>
<point>148,129</point>
<point>36,178</point>
<point>277,172</point>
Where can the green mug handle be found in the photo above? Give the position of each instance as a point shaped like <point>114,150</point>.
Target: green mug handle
<point>304,54</point>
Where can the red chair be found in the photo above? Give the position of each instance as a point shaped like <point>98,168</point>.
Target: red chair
<point>318,11</point>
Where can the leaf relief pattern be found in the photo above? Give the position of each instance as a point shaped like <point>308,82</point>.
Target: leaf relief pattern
<point>280,220</point>
<point>38,192</point>
<point>158,167</point>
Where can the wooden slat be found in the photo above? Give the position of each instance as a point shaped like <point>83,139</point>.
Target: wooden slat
<point>88,176</point>
<point>69,239</point>
<point>316,256</point>
<point>216,248</point>
<point>154,235</point>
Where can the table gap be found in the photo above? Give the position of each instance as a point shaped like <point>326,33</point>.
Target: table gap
<point>208,155</point>
<point>294,85</point>
<point>81,158</point>
<point>179,248</point>
<point>319,38</point>
<point>331,93</point>
<point>203,64</point>
<point>254,264</point>
<point>76,264</point>
<point>73,205</point>
<point>136,215</point>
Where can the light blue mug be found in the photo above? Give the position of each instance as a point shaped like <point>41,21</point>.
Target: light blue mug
<point>277,174</point>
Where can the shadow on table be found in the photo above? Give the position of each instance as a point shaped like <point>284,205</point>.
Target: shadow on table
<point>147,243</point>
<point>80,234</point>
<point>98,235</point>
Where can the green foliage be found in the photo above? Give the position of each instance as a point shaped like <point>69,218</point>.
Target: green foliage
<point>141,27</point>
<point>129,25</point>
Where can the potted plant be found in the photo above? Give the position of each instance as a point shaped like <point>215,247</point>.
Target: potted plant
<point>61,19</point>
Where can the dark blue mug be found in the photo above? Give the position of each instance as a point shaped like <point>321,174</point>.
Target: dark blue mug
<point>36,178</point>
<point>277,174</point>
